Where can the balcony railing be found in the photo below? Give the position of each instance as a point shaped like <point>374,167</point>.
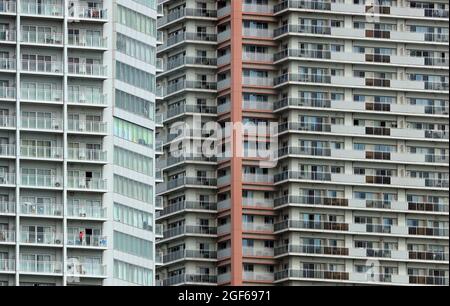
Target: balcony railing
<point>87,183</point>
<point>428,231</point>
<point>7,265</point>
<point>311,249</point>
<point>87,69</point>
<point>258,251</point>
<point>257,8</point>
<point>37,123</point>
<point>81,97</point>
<point>40,267</point>
<point>311,225</point>
<point>87,155</point>
<point>41,152</point>
<point>85,12</point>
<point>195,181</point>
<point>34,8</point>
<point>41,238</point>
<point>187,108</point>
<point>47,95</point>
<point>36,180</point>
<point>87,241</point>
<point>186,12</point>
<point>7,236</point>
<point>92,41</point>
<point>8,6</point>
<point>194,36</point>
<point>188,205</point>
<point>428,255</point>
<point>311,200</point>
<point>41,38</point>
<point>42,209</point>
<point>196,254</point>
<point>7,121</point>
<point>312,274</point>
<point>7,150</point>
<point>192,85</point>
<point>86,211</point>
<point>7,63</point>
<point>257,227</point>
<point>8,35</point>
<point>188,60</point>
<point>86,269</point>
<point>8,93</point>
<point>7,179</point>
<point>87,126</point>
<point>7,207</point>
<point>188,278</point>
<point>189,229</point>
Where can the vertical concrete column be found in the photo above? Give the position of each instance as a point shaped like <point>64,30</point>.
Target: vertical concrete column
<point>236,160</point>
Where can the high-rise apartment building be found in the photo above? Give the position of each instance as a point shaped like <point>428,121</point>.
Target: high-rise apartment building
<point>359,92</point>
<point>77,82</point>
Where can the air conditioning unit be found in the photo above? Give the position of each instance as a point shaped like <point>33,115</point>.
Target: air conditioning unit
<point>82,184</point>
<point>82,155</point>
<point>57,184</point>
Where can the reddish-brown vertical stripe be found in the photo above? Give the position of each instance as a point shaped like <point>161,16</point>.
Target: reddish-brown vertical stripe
<point>236,160</point>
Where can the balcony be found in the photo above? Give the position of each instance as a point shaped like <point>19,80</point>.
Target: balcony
<point>76,269</point>
<point>257,57</point>
<point>7,93</point>
<point>264,277</point>
<point>311,274</point>
<point>187,61</point>
<point>8,7</point>
<point>41,238</point>
<point>41,181</point>
<point>257,81</point>
<point>257,252</point>
<point>8,36</point>
<point>7,179</point>
<point>257,203</point>
<point>87,184</point>
<point>7,236</point>
<point>48,39</point>
<point>87,155</point>
<point>7,64</point>
<point>40,152</point>
<point>188,205</point>
<point>38,9</point>
<point>40,267</point>
<point>198,37</point>
<point>189,255</point>
<point>407,109</point>
<point>87,70</point>
<point>86,41</point>
<point>360,9</point>
<point>41,209</point>
<point>7,208</point>
<point>257,8</point>
<point>85,97</point>
<point>189,279</point>
<point>7,265</point>
<point>257,33</point>
<point>428,255</point>
<point>311,250</point>
<point>428,280</point>
<point>40,123</point>
<point>88,241</point>
<point>86,211</point>
<point>41,95</point>
<point>87,126</point>
<point>428,231</point>
<point>7,150</point>
<point>257,227</point>
<point>188,85</point>
<point>201,182</point>
<point>185,12</point>
<point>7,122</point>
<point>250,178</point>
<point>190,230</point>
<point>90,13</point>
<point>378,228</point>
<point>224,11</point>
<point>310,225</point>
<point>308,200</point>
<point>187,108</point>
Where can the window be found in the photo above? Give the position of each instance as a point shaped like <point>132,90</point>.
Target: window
<point>133,161</point>
<point>135,105</point>
<point>133,245</point>
<point>133,189</point>
<point>136,49</point>
<point>133,217</point>
<point>133,274</point>
<point>136,21</point>
<point>132,132</point>
<point>135,77</point>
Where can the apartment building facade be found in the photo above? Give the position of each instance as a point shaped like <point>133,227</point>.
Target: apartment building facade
<point>77,82</point>
<point>358,90</point>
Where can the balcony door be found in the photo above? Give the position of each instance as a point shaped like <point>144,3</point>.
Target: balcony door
<point>40,263</point>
